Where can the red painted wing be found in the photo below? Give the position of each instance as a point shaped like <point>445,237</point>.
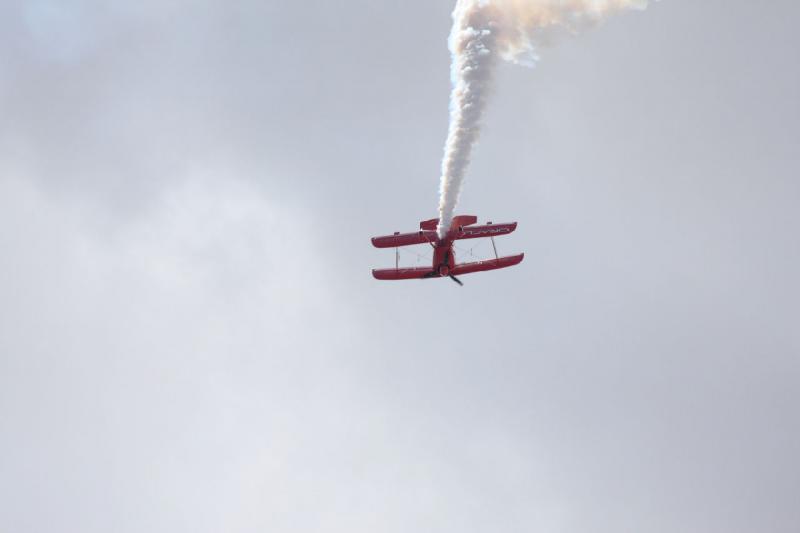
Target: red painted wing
<point>489,264</point>
<point>489,230</point>
<point>404,239</point>
<point>392,274</point>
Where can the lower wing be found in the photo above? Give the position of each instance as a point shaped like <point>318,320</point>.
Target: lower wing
<point>402,273</point>
<point>489,264</point>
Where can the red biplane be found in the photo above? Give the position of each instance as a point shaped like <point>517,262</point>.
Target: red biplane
<point>444,259</point>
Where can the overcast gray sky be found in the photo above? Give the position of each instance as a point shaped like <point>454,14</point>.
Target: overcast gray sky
<point>190,338</point>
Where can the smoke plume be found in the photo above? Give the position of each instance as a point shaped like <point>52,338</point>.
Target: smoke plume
<point>483,32</point>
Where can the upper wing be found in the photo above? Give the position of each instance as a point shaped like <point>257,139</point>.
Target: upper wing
<point>488,230</point>
<point>404,239</point>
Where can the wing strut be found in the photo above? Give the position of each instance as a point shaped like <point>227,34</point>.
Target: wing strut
<point>494,246</point>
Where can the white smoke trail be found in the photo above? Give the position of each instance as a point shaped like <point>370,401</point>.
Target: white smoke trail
<point>513,30</point>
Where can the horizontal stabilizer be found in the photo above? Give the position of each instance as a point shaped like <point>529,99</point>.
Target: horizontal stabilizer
<point>458,221</point>
<point>429,225</point>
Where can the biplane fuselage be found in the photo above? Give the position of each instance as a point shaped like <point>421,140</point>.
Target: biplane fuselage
<point>444,259</point>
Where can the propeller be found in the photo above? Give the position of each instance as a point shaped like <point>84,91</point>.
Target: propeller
<point>447,262</point>
<point>436,274</point>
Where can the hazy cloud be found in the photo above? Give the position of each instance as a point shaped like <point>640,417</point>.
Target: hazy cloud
<point>190,339</point>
